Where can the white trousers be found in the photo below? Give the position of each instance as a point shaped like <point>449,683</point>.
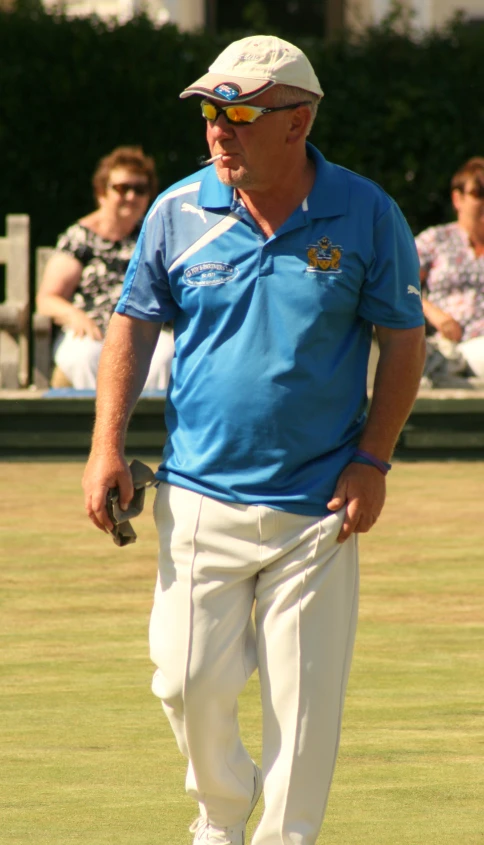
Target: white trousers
<point>217,560</point>
<point>78,358</point>
<point>473,352</point>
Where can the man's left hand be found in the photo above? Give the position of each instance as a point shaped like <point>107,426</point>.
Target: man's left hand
<point>362,488</point>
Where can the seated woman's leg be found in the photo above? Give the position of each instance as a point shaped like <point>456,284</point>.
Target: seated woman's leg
<point>160,367</point>
<point>78,358</point>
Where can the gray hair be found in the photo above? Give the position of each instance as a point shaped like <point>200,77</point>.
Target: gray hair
<point>284,95</point>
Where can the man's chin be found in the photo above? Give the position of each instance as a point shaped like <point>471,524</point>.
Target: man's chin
<point>233,178</point>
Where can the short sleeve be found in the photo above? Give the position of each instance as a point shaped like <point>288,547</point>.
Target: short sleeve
<point>390,294</point>
<point>146,292</point>
<point>74,242</point>
<point>426,244</point>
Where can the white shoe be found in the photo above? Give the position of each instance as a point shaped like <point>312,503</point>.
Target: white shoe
<point>208,834</point>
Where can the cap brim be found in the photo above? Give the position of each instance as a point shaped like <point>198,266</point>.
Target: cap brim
<point>244,88</point>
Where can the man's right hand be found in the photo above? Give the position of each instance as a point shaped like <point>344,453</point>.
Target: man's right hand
<point>103,473</point>
<point>123,367</point>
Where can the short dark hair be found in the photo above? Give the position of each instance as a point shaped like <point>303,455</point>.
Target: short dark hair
<point>287,94</point>
<point>132,158</point>
<point>473,170</point>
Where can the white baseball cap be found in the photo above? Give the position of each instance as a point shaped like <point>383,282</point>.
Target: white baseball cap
<point>252,65</point>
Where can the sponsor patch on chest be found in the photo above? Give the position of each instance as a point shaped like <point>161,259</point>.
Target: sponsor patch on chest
<point>210,273</point>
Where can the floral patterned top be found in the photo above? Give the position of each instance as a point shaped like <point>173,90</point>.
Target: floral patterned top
<point>455,275</point>
<point>104,264</point>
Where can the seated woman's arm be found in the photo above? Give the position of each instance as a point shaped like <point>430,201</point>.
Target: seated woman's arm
<point>440,320</point>
<point>59,282</point>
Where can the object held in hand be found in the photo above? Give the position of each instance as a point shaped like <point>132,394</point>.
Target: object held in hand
<point>123,532</point>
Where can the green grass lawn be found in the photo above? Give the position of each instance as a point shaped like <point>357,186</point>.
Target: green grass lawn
<point>86,753</point>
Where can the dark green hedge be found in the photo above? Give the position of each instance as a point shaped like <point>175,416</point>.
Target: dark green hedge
<point>403,112</point>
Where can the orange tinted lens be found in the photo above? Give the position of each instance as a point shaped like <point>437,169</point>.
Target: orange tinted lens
<point>209,111</point>
<point>241,114</point>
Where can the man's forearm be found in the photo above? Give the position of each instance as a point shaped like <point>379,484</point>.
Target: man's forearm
<point>400,366</point>
<point>123,368</point>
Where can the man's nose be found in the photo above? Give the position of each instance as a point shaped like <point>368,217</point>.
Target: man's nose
<point>221,124</point>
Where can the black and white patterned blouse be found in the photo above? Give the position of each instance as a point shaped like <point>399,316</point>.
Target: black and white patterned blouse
<point>455,275</point>
<point>104,264</point>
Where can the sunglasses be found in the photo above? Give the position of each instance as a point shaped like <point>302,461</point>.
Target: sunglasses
<point>242,114</point>
<point>141,189</point>
<point>477,193</point>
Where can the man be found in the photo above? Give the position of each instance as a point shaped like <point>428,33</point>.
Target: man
<point>274,266</point>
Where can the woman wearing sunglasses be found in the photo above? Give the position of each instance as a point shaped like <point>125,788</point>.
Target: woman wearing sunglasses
<point>452,273</point>
<point>83,279</point>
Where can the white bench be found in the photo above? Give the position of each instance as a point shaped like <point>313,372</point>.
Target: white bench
<point>15,309</point>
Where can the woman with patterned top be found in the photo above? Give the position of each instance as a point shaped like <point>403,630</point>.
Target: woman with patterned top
<point>452,269</point>
<point>83,279</point>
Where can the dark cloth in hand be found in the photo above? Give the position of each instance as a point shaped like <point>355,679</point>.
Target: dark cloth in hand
<point>123,532</point>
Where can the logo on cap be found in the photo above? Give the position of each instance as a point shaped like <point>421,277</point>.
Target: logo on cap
<point>227,91</point>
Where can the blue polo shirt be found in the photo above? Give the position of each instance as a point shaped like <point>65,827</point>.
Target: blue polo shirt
<point>267,397</point>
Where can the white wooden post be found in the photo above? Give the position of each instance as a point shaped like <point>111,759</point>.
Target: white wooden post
<point>190,14</point>
<point>15,311</point>
<point>41,327</point>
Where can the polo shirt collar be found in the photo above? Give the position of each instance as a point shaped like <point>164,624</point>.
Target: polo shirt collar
<point>213,193</point>
<point>328,198</point>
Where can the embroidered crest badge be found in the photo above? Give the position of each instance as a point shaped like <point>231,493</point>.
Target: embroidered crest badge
<point>324,257</point>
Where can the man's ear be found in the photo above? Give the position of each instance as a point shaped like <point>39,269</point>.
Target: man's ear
<point>298,127</point>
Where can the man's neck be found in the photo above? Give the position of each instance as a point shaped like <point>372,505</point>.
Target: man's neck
<point>271,207</point>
